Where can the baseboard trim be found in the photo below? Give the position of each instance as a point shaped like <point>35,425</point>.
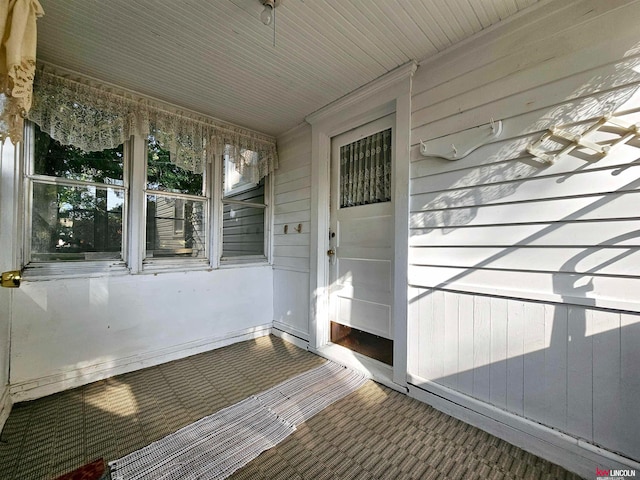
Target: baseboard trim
<point>5,406</point>
<point>278,331</point>
<point>377,371</point>
<point>41,387</point>
<point>569,452</point>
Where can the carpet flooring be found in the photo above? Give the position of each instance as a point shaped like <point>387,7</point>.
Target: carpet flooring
<point>219,444</point>
<point>374,433</point>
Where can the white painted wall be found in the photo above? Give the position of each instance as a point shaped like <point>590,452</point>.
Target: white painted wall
<point>5,323</point>
<point>524,277</point>
<point>8,249</point>
<point>292,193</point>
<point>73,331</point>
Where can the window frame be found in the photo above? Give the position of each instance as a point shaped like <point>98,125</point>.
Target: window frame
<point>47,269</point>
<point>155,264</point>
<point>222,196</point>
<point>228,191</point>
<point>134,214</point>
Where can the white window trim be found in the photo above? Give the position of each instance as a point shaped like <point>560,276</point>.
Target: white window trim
<point>248,260</point>
<point>134,224</point>
<point>242,187</point>
<point>167,264</point>
<point>48,270</point>
<point>218,261</point>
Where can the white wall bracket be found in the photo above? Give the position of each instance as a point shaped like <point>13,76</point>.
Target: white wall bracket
<point>629,130</point>
<point>458,145</point>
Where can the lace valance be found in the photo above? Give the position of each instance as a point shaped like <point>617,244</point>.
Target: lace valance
<point>91,116</point>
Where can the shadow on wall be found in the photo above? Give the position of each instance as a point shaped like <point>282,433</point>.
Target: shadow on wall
<point>570,364</point>
<point>456,205</point>
<point>570,367</point>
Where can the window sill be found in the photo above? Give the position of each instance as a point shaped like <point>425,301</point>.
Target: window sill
<point>247,261</point>
<point>59,270</point>
<point>43,271</point>
<point>174,265</point>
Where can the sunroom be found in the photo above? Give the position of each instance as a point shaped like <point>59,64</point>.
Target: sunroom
<point>203,201</point>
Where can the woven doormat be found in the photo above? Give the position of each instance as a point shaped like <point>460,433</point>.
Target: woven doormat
<point>216,446</point>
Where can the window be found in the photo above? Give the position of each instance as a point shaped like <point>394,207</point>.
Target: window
<point>147,204</point>
<point>77,199</point>
<point>243,209</point>
<point>80,218</point>
<point>177,208</point>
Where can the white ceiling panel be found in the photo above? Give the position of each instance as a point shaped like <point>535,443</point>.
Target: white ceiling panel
<point>216,57</point>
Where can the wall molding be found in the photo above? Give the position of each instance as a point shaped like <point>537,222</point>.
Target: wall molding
<point>291,269</point>
<point>292,132</point>
<point>32,389</point>
<point>5,406</point>
<point>569,452</point>
<point>361,94</point>
<point>377,371</point>
<point>280,330</point>
<point>291,330</point>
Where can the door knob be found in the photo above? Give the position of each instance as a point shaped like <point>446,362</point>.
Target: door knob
<point>331,252</point>
<point>11,279</point>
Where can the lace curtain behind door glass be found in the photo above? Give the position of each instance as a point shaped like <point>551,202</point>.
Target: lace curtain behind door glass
<point>365,170</point>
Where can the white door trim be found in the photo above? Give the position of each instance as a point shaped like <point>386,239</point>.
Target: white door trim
<point>388,94</point>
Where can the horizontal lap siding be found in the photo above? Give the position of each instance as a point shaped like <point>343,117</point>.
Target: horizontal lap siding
<point>524,277</point>
<point>292,213</point>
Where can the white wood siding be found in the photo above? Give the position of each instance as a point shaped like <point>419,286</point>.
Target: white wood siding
<point>292,193</point>
<point>524,277</point>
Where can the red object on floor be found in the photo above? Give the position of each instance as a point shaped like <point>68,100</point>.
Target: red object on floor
<point>90,471</point>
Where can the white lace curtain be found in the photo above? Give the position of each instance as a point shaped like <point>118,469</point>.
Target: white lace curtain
<point>365,170</point>
<point>90,116</point>
<point>17,63</point>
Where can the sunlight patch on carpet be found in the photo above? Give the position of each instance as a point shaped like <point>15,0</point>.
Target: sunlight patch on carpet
<point>216,446</point>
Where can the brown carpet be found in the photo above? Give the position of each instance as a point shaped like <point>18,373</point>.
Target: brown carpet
<point>373,433</point>
<point>53,435</point>
<point>377,433</point>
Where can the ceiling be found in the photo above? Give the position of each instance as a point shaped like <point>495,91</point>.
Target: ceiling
<point>217,58</point>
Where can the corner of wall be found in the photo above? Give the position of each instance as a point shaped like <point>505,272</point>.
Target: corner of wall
<point>5,406</point>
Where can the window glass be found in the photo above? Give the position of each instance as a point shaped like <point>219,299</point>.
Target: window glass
<point>176,222</point>
<point>76,223</point>
<point>77,203</point>
<point>244,208</point>
<point>165,176</point>
<point>243,230</point>
<point>236,182</point>
<point>175,227</point>
<point>53,159</point>
<point>365,170</point>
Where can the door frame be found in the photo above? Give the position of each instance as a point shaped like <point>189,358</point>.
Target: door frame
<point>389,94</point>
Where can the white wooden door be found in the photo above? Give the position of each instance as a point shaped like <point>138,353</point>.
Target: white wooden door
<point>361,239</point>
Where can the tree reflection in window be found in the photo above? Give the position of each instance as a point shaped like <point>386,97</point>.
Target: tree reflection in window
<point>176,207</point>
<point>77,202</point>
